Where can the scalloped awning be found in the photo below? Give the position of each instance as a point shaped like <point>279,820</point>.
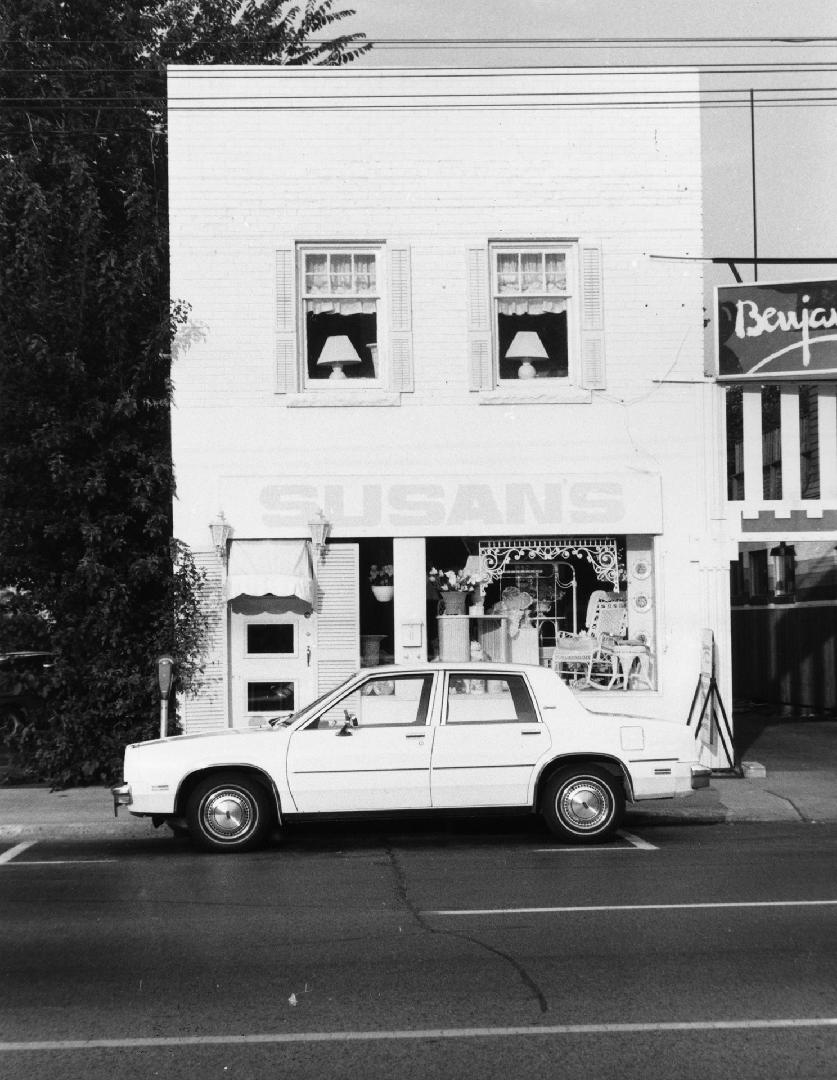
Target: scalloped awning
<point>270,568</point>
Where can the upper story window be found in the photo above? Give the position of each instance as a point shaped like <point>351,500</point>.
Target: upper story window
<point>532,311</point>
<point>343,323</point>
<point>535,321</point>
<point>341,314</point>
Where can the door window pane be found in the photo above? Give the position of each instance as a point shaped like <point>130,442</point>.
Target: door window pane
<point>383,702</point>
<point>270,638</point>
<point>504,700</point>
<point>270,697</point>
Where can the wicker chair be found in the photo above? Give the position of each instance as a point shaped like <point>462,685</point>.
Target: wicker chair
<point>583,659</point>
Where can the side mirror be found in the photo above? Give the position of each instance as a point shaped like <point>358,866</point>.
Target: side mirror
<point>348,723</point>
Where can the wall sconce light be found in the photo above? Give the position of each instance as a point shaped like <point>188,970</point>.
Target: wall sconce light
<point>526,346</point>
<point>320,529</point>
<point>221,531</point>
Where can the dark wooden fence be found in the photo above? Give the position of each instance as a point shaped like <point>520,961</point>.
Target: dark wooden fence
<point>786,655</point>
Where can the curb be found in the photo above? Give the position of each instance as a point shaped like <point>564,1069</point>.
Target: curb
<point>68,830</point>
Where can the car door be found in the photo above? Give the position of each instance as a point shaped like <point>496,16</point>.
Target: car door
<point>369,750</point>
<point>489,741</point>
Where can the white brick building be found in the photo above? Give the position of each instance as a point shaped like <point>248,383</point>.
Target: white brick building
<point>435,216</point>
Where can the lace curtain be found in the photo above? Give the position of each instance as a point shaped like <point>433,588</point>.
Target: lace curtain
<point>344,278</point>
<point>537,273</point>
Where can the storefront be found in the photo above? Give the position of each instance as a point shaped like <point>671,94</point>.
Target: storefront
<point>299,614</point>
<point>409,368</point>
<point>777,367</point>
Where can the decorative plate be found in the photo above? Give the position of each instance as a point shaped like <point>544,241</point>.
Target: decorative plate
<point>641,569</point>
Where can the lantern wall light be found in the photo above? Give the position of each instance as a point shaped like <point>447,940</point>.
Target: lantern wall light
<point>221,531</point>
<point>320,529</point>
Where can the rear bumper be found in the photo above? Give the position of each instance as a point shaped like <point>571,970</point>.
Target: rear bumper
<point>121,797</point>
<point>700,776</point>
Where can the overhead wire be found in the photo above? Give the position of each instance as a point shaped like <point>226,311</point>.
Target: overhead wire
<point>715,41</point>
<point>649,97</point>
<point>801,97</point>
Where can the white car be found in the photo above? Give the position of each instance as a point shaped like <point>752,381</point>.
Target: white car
<point>434,737</point>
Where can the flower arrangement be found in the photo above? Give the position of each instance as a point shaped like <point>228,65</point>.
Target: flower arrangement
<point>380,575</point>
<point>456,580</point>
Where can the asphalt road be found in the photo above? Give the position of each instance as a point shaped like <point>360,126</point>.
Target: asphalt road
<point>413,951</point>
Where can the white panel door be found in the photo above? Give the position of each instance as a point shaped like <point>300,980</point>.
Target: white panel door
<point>369,751</point>
<point>272,672</point>
<point>490,739</point>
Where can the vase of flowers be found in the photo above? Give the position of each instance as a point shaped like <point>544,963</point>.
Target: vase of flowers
<point>454,587</point>
<point>455,602</point>
<point>380,579</point>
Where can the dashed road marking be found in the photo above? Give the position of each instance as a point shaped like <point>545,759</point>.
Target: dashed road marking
<point>637,841</point>
<point>13,852</point>
<point>633,907</point>
<point>631,840</point>
<point>57,862</point>
<point>419,1034</point>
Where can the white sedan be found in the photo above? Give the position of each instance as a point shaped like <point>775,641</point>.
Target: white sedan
<point>434,737</point>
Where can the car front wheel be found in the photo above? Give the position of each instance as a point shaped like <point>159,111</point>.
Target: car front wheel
<point>229,812</point>
<point>583,804</point>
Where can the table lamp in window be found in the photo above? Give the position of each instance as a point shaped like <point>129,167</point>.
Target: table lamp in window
<point>338,351</point>
<point>527,347</point>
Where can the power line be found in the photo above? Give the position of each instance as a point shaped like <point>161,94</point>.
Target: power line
<point>290,71</point>
<point>636,105</point>
<point>737,41</point>
<point>290,101</point>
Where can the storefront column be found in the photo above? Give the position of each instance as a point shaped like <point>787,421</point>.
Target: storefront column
<point>409,562</point>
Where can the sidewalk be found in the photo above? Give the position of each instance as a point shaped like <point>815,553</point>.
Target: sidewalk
<point>798,752</point>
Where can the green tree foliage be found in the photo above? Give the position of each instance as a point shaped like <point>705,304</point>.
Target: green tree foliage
<point>86,478</point>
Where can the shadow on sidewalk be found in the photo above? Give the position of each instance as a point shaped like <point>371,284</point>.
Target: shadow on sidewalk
<point>785,737</point>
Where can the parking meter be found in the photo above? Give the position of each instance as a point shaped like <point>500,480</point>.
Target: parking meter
<point>165,668</point>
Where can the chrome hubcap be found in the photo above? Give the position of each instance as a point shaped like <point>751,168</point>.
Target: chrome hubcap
<point>584,804</point>
<point>228,813</point>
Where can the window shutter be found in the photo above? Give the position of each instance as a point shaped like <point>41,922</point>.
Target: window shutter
<point>287,367</point>
<point>480,366</point>
<point>400,321</point>
<point>338,615</point>
<point>592,318</point>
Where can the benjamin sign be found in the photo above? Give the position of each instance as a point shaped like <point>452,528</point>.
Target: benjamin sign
<point>779,331</point>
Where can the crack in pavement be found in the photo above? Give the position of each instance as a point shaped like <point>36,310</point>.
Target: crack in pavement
<point>403,895</point>
<point>789,801</point>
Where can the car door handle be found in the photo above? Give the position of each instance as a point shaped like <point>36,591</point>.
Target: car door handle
<point>531,733</point>
<point>417,735</point>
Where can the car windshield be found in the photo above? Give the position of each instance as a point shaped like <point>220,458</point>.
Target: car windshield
<point>286,721</point>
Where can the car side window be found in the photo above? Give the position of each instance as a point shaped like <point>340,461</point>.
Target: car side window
<point>501,699</point>
<point>381,701</point>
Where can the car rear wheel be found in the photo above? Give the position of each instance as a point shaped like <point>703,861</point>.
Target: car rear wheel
<point>229,812</point>
<point>583,804</point>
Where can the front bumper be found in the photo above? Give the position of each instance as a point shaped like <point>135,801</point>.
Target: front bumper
<point>121,797</point>
<point>700,776</point>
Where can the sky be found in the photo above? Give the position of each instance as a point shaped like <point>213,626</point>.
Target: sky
<point>795,146</point>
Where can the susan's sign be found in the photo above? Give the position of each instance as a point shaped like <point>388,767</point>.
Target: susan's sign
<point>779,331</point>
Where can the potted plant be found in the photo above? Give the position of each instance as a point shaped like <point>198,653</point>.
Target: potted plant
<point>454,586</point>
<point>380,578</point>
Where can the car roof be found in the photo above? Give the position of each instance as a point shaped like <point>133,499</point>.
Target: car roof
<point>475,666</point>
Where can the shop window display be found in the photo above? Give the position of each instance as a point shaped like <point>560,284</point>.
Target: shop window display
<point>552,594</point>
